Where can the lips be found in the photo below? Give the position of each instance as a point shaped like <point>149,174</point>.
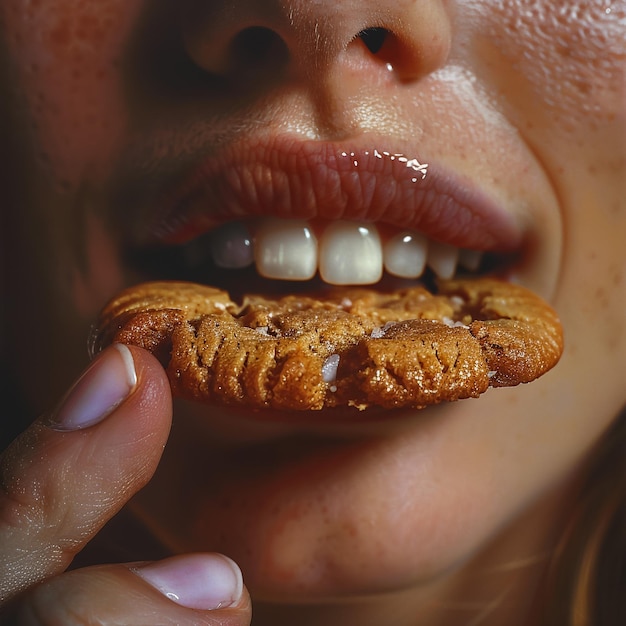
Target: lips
<point>324,182</point>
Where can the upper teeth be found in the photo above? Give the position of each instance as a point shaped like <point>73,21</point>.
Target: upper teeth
<point>285,249</point>
<point>344,252</point>
<point>350,253</point>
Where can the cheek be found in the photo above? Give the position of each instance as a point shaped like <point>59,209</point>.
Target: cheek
<point>571,55</point>
<point>593,288</point>
<point>64,57</point>
<point>558,71</point>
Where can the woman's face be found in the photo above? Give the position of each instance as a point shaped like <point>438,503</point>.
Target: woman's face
<point>117,108</point>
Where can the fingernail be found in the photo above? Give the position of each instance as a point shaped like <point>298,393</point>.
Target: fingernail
<point>197,581</point>
<point>106,383</point>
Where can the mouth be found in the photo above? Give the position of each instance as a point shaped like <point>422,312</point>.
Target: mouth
<point>289,216</point>
<point>252,267</point>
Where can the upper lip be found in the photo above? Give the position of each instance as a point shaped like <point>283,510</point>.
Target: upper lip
<point>363,180</point>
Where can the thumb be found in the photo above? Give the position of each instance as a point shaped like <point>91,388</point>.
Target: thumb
<point>191,589</point>
<point>64,477</point>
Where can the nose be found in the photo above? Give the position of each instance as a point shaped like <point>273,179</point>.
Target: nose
<point>263,40</point>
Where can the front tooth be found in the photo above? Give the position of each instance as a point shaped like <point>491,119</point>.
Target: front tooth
<point>231,246</point>
<point>405,254</point>
<point>442,259</point>
<point>350,254</point>
<point>285,249</point>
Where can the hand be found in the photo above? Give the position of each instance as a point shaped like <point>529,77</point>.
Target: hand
<point>70,472</point>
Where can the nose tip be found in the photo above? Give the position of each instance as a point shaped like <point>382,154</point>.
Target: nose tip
<point>265,41</point>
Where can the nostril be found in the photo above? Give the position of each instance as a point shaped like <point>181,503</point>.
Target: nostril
<point>373,38</point>
<point>258,46</point>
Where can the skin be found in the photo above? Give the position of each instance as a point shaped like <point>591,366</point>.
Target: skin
<point>428,517</point>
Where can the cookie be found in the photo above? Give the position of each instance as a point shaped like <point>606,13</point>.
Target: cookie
<point>353,347</point>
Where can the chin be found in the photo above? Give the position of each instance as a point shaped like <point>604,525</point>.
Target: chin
<point>337,513</point>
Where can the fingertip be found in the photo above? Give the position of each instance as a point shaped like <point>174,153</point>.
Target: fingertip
<point>140,425</point>
<point>108,381</point>
<point>184,589</point>
<point>142,421</point>
<point>205,582</point>
<point>120,376</point>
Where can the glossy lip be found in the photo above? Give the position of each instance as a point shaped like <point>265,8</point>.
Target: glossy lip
<point>287,177</point>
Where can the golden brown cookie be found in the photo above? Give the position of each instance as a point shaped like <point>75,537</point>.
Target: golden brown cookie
<point>353,347</point>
